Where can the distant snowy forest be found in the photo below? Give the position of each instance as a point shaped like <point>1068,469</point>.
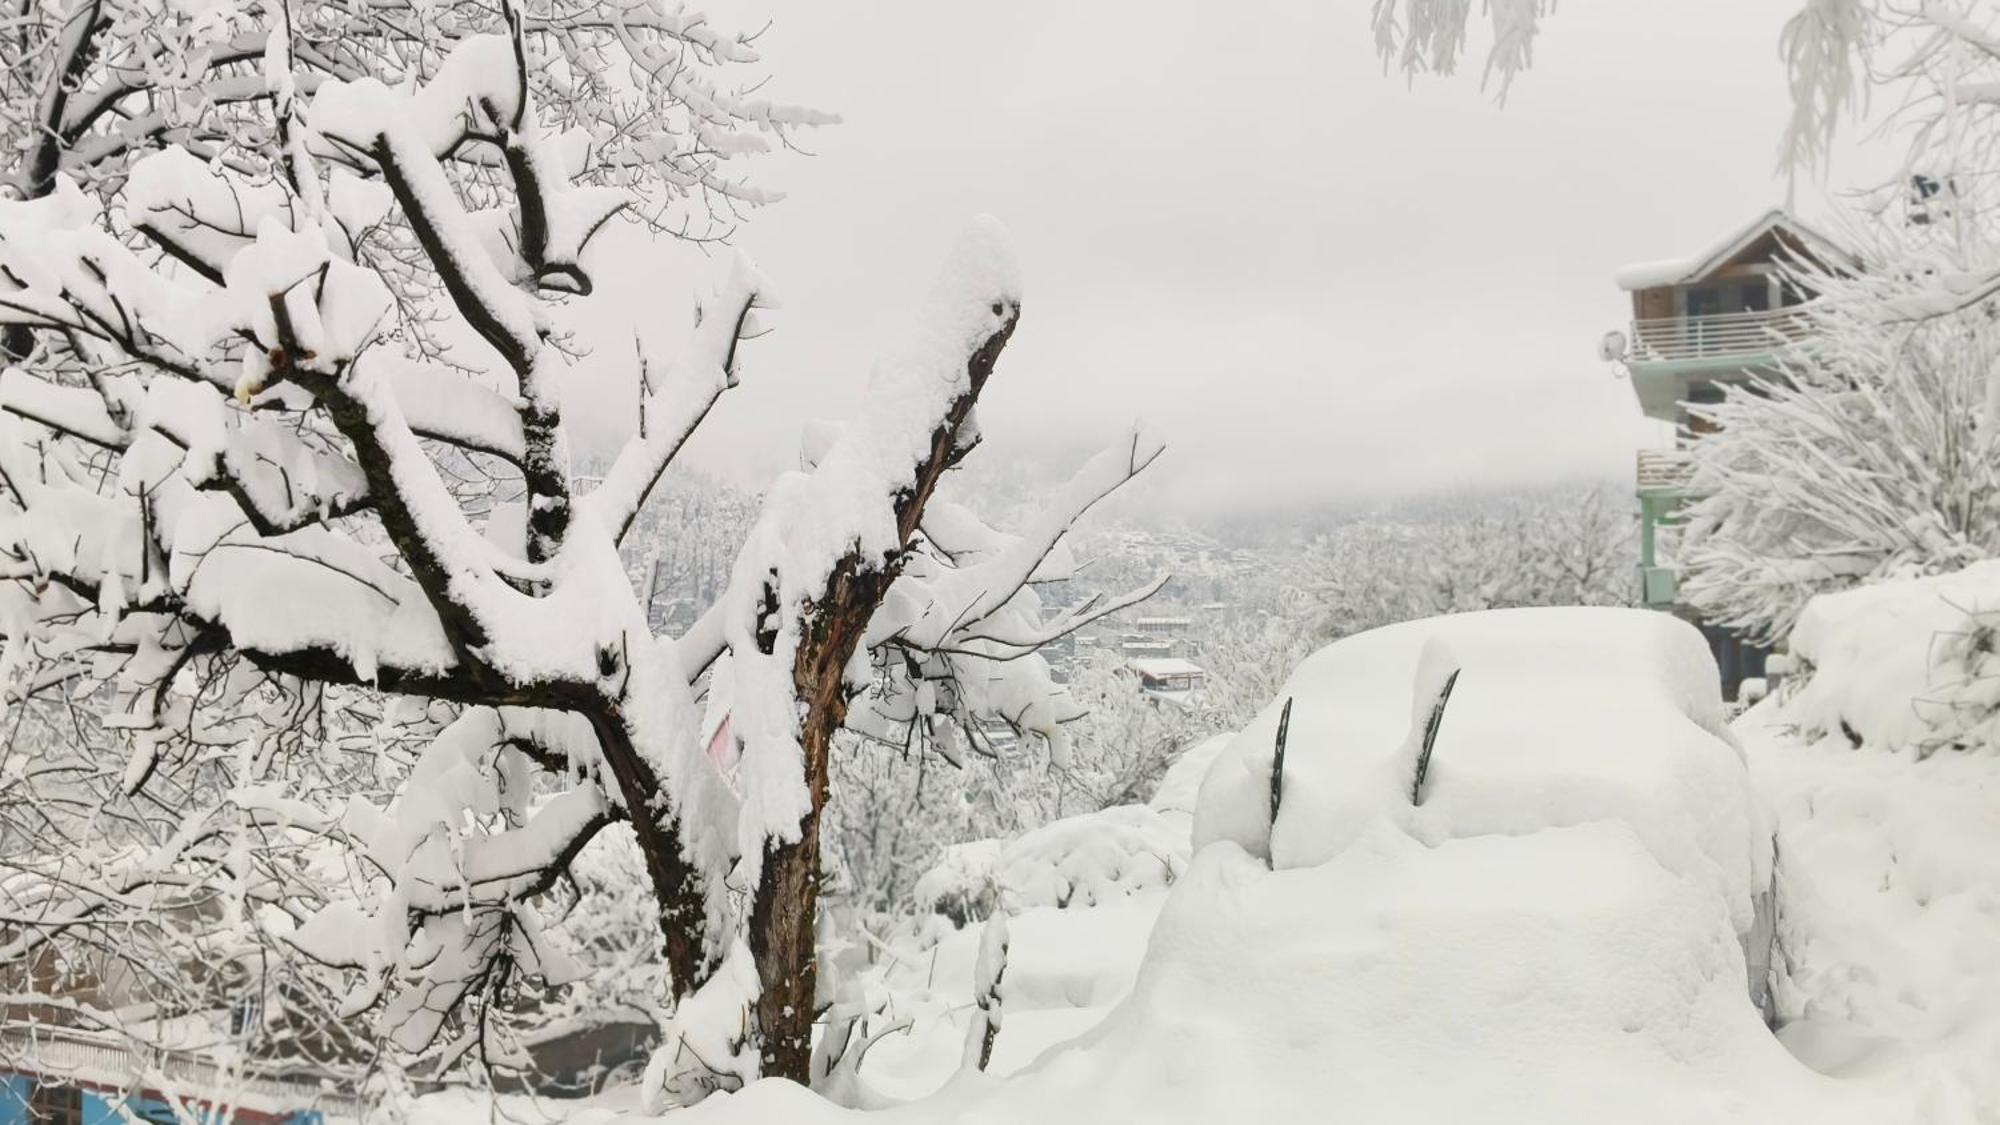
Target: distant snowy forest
<point>1246,601</point>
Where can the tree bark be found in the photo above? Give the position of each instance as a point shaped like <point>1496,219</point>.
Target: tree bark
<point>783,919</point>
<point>784,915</point>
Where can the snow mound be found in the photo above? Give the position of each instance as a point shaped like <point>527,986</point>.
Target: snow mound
<point>1562,975</point>
<point>1904,663</point>
<point>1066,970</point>
<point>1879,762</point>
<point>1889,896</point>
<point>1078,861</point>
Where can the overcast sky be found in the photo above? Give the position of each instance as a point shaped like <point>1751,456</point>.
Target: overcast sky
<point>1315,282</point>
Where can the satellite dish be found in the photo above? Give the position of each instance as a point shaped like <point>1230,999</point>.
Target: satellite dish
<point>1611,347</point>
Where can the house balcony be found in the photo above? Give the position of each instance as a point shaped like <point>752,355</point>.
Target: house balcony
<point>1664,472</point>
<point>1663,477</point>
<point>1674,359</point>
<point>1724,338</point>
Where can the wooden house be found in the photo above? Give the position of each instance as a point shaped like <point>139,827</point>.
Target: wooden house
<point>1731,314</point>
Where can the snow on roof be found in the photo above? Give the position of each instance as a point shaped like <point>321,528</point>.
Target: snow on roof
<point>1163,666</point>
<point>1680,271</point>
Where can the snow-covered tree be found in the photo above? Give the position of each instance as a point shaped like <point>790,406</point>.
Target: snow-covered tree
<point>1123,744</point>
<point>643,90</point>
<point>1826,47</point>
<point>1559,547</point>
<point>1430,36</point>
<point>236,518</point>
<point>1869,454</point>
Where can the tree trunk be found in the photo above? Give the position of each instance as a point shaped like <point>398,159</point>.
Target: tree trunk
<point>783,929</point>
<point>782,922</point>
<point>783,919</point>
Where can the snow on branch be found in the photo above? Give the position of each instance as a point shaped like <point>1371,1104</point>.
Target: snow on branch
<point>675,397</point>
<point>1429,36</point>
<point>964,595</point>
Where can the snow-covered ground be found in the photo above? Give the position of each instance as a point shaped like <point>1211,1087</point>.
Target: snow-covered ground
<point>1556,931</point>
<point>1082,895</point>
<point>1889,913</point>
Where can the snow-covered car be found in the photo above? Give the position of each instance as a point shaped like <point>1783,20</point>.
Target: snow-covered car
<point>1553,718</point>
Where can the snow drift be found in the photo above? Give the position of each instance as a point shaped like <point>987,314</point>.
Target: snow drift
<point>1902,664</point>
<point>1879,761</point>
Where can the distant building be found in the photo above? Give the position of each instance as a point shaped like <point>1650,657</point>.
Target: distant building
<point>1167,677</point>
<point>1724,316</point>
<point>1139,644</point>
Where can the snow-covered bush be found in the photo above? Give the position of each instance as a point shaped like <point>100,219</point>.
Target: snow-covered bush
<point>1079,861</point>
<point>1125,743</point>
<point>1903,665</point>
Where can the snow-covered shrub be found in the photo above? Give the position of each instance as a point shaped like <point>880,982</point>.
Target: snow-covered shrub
<point>1906,664</point>
<point>1123,747</point>
<point>1870,456</point>
<point>1079,861</point>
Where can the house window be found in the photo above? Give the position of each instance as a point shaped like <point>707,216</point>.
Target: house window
<point>1752,294</point>
<point>56,1105</point>
<point>246,1016</point>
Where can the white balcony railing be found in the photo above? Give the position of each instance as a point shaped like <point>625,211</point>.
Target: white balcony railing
<point>1664,470</point>
<point>1721,336</point>
<point>107,1063</point>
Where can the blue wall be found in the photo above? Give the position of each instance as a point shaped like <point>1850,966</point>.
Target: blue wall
<point>14,1091</point>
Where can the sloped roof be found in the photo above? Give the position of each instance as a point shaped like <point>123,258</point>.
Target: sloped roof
<point>1680,271</point>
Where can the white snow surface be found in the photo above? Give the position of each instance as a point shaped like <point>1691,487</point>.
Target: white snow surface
<point>1889,909</point>
<point>1553,936</point>
<point>1887,659</point>
<point>1889,873</point>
